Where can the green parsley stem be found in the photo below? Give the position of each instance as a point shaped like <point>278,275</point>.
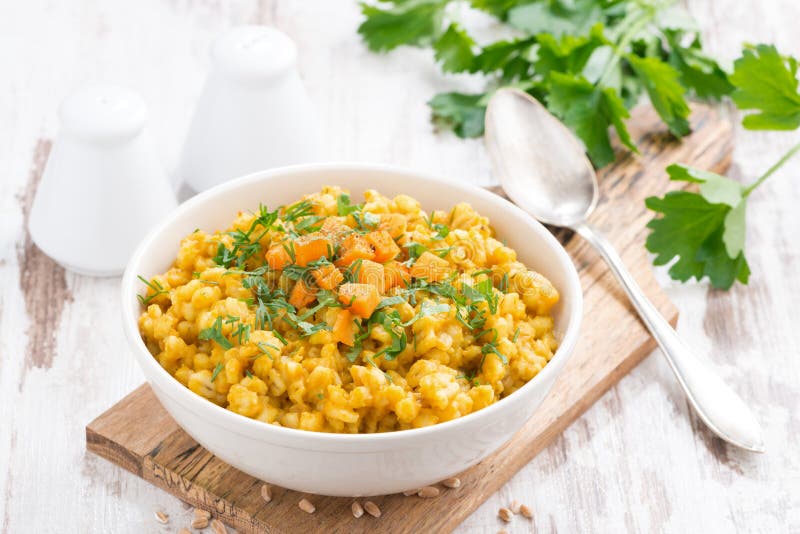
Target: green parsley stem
<point>786,157</point>
<point>637,23</point>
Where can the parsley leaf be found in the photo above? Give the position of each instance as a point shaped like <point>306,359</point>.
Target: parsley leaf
<point>698,72</point>
<point>463,113</point>
<point>511,58</point>
<point>412,22</point>
<point>767,83</point>
<point>569,53</point>
<point>589,111</point>
<point>557,18</point>
<point>665,91</point>
<point>498,8</point>
<point>454,49</point>
<point>705,231</point>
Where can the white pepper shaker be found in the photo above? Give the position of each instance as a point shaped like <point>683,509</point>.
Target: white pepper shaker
<point>253,113</point>
<point>103,187</point>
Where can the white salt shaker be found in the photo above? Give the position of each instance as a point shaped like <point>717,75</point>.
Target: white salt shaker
<point>103,187</point>
<point>253,113</point>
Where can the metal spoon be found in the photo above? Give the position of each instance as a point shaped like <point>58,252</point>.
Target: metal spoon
<point>543,168</point>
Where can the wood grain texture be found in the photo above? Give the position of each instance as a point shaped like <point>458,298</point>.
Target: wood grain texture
<point>139,435</point>
<point>634,462</point>
<point>43,281</point>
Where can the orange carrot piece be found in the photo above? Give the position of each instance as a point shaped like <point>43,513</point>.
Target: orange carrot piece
<point>354,247</point>
<point>385,247</point>
<point>301,295</point>
<point>310,248</point>
<point>370,272</point>
<point>430,267</point>
<point>327,276</point>
<point>343,328</point>
<point>393,223</point>
<point>360,299</point>
<point>277,257</point>
<point>395,274</point>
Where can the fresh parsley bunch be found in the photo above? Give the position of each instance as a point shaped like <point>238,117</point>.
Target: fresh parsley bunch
<point>588,61</point>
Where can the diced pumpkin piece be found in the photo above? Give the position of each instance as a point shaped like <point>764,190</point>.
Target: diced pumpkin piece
<point>393,223</point>
<point>360,299</point>
<point>277,257</point>
<point>327,276</point>
<point>344,328</point>
<point>310,248</point>
<point>370,272</point>
<point>385,247</point>
<point>395,274</point>
<point>334,226</point>
<point>354,247</point>
<point>301,295</point>
<point>430,267</point>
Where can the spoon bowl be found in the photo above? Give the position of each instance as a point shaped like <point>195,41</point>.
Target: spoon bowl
<point>561,189</point>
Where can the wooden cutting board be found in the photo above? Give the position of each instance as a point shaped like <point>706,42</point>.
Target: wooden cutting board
<point>138,434</point>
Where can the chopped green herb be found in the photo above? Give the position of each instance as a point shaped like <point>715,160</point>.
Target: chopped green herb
<point>264,352</point>
<point>352,270</point>
<point>366,221</point>
<point>343,206</point>
<point>415,250</point>
<point>390,301</point>
<point>503,286</point>
<point>427,308</point>
<point>280,337</point>
<point>308,224</point>
<point>214,333</point>
<point>241,333</point>
<point>157,288</point>
<point>298,210</point>
<point>442,231</point>
<point>216,372</point>
<point>491,347</point>
<point>289,250</point>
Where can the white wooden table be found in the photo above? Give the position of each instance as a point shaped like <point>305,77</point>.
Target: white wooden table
<point>636,461</point>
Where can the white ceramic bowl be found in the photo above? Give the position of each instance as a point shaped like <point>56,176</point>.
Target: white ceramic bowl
<point>343,464</point>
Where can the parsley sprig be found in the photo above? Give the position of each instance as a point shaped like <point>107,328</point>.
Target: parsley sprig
<point>705,230</point>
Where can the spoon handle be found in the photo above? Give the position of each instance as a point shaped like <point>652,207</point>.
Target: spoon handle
<point>722,410</point>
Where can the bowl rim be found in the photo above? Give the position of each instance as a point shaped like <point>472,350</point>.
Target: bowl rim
<point>247,426</point>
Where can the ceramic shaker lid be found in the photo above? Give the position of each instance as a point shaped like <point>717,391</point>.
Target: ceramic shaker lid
<point>103,113</point>
<point>254,53</point>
